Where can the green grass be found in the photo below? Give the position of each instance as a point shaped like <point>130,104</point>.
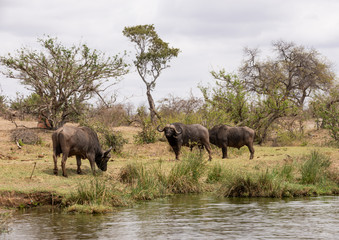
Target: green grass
<point>149,171</point>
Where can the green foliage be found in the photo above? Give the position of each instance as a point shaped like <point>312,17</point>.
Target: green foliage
<point>107,137</point>
<point>227,101</point>
<point>148,132</point>
<point>314,168</point>
<point>185,175</point>
<point>63,78</point>
<point>326,107</point>
<point>115,140</point>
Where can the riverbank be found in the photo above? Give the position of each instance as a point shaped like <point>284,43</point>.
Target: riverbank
<point>145,172</point>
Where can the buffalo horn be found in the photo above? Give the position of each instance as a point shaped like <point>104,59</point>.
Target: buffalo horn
<point>107,152</point>
<point>176,132</point>
<point>159,129</point>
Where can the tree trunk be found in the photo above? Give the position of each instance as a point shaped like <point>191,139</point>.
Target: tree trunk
<point>152,110</point>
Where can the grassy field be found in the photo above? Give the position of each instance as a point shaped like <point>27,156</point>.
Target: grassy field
<point>27,179</point>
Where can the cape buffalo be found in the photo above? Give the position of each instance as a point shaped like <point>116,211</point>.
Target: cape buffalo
<point>225,136</point>
<point>81,142</point>
<point>179,134</point>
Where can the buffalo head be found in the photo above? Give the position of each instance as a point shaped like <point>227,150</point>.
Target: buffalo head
<point>170,130</point>
<point>102,161</point>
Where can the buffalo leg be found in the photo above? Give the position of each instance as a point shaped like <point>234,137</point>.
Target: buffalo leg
<point>92,167</point>
<point>176,150</point>
<point>208,149</point>
<point>224,152</point>
<point>55,164</point>
<point>63,164</point>
<point>250,147</point>
<point>79,165</point>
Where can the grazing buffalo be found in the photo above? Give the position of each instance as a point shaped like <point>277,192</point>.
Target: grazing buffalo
<point>179,134</point>
<point>81,142</point>
<point>225,136</point>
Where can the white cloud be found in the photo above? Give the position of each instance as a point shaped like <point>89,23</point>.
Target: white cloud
<point>211,34</point>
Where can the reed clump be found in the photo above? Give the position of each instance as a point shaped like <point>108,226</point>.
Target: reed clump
<point>185,176</point>
<point>308,178</point>
<point>95,196</point>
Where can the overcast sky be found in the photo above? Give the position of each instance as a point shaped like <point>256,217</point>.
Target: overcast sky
<point>210,34</point>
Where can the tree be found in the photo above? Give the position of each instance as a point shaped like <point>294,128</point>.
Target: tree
<point>326,107</point>
<point>296,73</point>
<point>229,96</point>
<point>284,83</point>
<point>63,78</point>
<point>153,56</point>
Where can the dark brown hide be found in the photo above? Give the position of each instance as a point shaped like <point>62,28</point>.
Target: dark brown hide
<point>81,142</point>
<point>179,134</point>
<point>225,136</point>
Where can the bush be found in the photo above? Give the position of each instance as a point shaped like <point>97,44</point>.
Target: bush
<point>107,137</point>
<point>25,136</point>
<point>147,135</point>
<point>114,140</point>
<point>314,168</point>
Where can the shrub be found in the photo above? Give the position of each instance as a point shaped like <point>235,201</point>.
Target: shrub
<point>314,168</point>
<point>147,135</point>
<point>25,136</point>
<point>107,137</point>
<point>114,140</point>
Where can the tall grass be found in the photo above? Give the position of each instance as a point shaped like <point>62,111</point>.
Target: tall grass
<point>96,195</point>
<point>146,183</point>
<point>185,175</point>
<point>306,179</point>
<point>215,173</point>
<point>314,168</point>
<point>265,184</point>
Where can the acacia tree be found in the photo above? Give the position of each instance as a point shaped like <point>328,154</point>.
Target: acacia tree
<point>153,56</point>
<point>64,78</point>
<point>296,72</point>
<point>283,84</point>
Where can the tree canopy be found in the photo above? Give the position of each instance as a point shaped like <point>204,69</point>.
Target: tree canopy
<point>64,78</point>
<point>296,72</point>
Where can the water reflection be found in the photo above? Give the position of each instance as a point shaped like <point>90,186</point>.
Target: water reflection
<point>189,217</point>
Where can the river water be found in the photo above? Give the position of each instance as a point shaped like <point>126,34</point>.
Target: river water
<point>188,217</point>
